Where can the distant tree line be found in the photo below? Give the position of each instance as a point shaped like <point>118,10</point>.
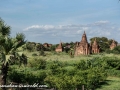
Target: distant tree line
<point>103,42</point>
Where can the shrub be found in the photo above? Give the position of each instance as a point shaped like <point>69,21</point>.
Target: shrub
<point>16,76</point>
<point>38,63</point>
<point>27,76</point>
<point>34,54</point>
<point>41,53</point>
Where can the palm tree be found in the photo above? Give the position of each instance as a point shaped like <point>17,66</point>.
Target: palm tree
<point>8,47</point>
<point>4,29</point>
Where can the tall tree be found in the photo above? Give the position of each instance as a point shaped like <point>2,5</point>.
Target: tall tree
<point>8,47</point>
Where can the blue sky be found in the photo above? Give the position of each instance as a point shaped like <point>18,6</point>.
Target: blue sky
<point>66,20</point>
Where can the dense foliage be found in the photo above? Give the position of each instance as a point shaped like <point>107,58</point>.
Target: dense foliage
<point>67,76</point>
<point>103,42</point>
<point>63,76</point>
<point>116,50</point>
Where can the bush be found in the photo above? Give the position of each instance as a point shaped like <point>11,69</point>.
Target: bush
<point>41,53</point>
<point>113,63</point>
<point>27,76</point>
<point>89,73</point>
<point>34,54</point>
<point>113,72</point>
<point>108,51</point>
<point>116,50</point>
<point>38,63</point>
<point>16,76</point>
<point>60,75</point>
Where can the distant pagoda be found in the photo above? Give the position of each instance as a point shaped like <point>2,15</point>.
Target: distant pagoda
<point>84,48</point>
<point>59,48</point>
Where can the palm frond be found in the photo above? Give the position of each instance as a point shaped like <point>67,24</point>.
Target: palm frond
<point>8,44</point>
<point>2,57</point>
<point>4,28</point>
<point>20,37</point>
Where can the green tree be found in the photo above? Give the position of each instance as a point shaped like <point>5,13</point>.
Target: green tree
<point>4,29</point>
<point>29,46</point>
<point>8,47</point>
<point>52,48</point>
<point>116,50</point>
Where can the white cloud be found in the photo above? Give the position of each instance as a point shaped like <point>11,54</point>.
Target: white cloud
<point>46,27</point>
<point>49,27</point>
<point>101,22</point>
<point>96,29</point>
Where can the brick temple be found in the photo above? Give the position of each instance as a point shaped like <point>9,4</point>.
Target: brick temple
<point>84,48</point>
<point>59,48</point>
<point>113,45</point>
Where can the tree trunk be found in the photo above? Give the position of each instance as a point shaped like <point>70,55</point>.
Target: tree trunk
<point>3,76</point>
<point>82,87</point>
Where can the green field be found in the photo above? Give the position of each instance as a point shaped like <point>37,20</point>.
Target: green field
<point>112,83</point>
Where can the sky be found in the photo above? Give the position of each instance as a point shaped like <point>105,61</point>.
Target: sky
<point>53,21</point>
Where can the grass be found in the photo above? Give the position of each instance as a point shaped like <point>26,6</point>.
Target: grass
<point>113,83</point>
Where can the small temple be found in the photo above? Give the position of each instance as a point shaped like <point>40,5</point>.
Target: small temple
<point>113,45</point>
<point>95,47</point>
<point>59,48</point>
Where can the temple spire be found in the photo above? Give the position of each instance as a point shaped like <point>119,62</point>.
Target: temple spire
<point>59,48</point>
<point>60,44</point>
<point>84,37</point>
<point>113,41</point>
<point>84,32</point>
<point>95,42</point>
<point>95,39</point>
<point>113,44</point>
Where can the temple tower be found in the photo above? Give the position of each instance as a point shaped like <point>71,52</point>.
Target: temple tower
<point>113,45</point>
<point>95,47</point>
<point>83,48</point>
<point>59,48</point>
